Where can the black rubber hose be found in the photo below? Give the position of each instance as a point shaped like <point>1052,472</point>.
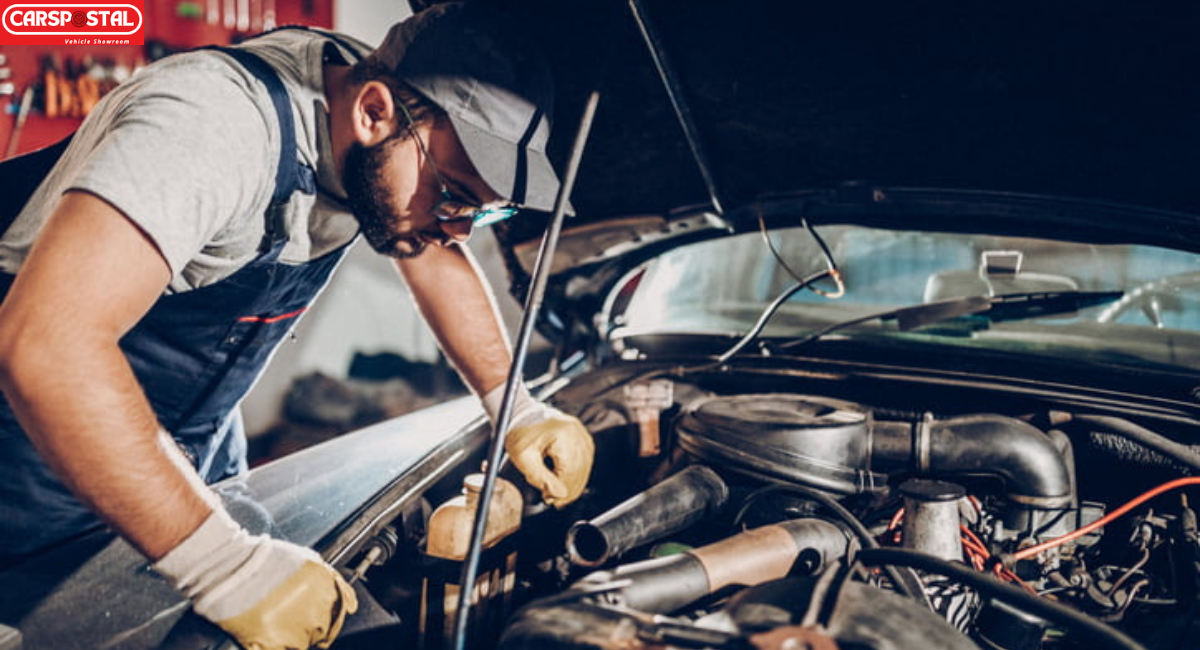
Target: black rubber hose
<point>1145,437</point>
<point>680,501</point>
<point>1095,632</point>
<point>1032,468</point>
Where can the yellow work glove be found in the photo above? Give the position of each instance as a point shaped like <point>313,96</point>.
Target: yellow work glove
<point>267,593</point>
<point>551,449</point>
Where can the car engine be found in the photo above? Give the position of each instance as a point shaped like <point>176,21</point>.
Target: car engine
<point>733,514</point>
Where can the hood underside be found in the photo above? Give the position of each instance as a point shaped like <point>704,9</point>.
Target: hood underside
<point>1063,99</point>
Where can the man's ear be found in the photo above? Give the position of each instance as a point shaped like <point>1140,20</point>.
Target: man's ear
<point>374,114</point>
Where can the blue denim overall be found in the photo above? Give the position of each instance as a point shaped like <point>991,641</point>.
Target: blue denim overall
<point>196,354</point>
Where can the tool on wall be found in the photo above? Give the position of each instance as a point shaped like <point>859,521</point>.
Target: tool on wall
<point>14,138</point>
<point>72,87</point>
<point>7,87</point>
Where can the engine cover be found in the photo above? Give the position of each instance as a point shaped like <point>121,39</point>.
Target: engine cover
<point>819,442</point>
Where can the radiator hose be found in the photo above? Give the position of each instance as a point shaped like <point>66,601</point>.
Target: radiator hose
<point>1034,472</point>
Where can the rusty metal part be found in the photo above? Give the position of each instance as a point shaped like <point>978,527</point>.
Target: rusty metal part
<point>753,557</point>
<point>665,584</point>
<point>646,401</point>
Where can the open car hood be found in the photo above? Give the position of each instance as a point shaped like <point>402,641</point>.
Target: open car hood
<point>1048,100</point>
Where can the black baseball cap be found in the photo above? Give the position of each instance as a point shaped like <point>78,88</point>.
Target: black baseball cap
<point>480,67</point>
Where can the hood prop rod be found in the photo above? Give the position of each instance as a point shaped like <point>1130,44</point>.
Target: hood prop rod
<point>533,305</point>
<point>683,111</point>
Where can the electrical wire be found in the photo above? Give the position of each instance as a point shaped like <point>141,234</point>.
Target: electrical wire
<point>973,547</point>
<point>1129,573</point>
<point>1008,575</point>
<point>830,264</point>
<point>833,327</point>
<point>975,502</point>
<point>831,271</point>
<point>976,552</point>
<point>1032,551</point>
<point>970,534</point>
<point>1133,592</point>
<point>762,229</point>
<point>836,276</point>
<point>1093,631</point>
<point>978,559</point>
<point>767,314</point>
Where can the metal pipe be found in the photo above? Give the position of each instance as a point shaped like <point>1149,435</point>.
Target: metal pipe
<point>675,93</point>
<point>931,518</point>
<point>533,305</point>
<point>753,557</point>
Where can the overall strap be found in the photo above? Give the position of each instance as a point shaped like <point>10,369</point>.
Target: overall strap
<point>289,174</point>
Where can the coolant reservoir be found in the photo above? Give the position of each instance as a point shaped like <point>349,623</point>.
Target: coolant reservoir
<point>448,536</point>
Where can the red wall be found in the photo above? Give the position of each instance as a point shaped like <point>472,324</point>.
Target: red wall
<point>170,25</point>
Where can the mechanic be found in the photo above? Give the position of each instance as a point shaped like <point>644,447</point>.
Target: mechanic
<point>198,210</point>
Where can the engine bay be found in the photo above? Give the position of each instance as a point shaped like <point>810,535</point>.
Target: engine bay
<point>744,512</point>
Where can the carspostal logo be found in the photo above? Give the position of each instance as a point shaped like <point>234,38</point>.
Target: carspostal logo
<point>91,23</point>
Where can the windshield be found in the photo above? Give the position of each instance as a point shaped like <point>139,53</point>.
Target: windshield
<point>723,286</point>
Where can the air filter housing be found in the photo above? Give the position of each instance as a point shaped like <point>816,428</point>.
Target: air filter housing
<point>822,443</point>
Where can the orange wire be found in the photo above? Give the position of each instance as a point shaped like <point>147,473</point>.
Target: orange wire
<point>976,555</point>
<point>982,550</point>
<point>975,550</point>
<point>974,538</point>
<point>1009,576</point>
<point>1021,582</point>
<point>977,560</point>
<point>979,554</point>
<point>1027,553</point>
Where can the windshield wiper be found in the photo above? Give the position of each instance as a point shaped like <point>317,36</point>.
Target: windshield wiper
<point>1007,307</point>
<point>1019,306</point>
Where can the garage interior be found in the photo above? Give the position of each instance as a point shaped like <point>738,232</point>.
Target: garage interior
<point>362,354</point>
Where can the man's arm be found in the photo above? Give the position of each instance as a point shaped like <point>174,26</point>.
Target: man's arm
<point>552,450</point>
<point>89,278</point>
<point>455,299</point>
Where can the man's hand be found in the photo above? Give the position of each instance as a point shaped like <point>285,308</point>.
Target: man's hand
<point>267,593</point>
<point>552,450</point>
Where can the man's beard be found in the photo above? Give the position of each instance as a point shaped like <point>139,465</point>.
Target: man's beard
<point>369,197</point>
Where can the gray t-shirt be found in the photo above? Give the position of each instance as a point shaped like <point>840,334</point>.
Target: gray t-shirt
<point>187,149</point>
